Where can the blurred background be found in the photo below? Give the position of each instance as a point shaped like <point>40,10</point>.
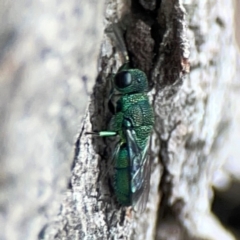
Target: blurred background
<point>226,204</point>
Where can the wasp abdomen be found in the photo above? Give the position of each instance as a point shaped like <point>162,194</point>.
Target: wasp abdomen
<point>122,177</point>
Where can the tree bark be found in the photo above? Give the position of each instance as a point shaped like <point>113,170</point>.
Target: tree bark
<point>49,54</point>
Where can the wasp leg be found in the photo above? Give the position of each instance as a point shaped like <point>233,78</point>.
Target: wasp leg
<point>107,133</point>
<point>103,133</point>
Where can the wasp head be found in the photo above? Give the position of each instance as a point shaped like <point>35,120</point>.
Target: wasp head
<point>131,81</point>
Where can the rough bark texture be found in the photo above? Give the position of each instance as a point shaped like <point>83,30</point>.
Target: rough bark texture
<point>49,53</point>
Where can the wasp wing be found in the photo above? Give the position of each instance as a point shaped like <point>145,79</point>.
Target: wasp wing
<point>140,171</point>
<point>141,201</point>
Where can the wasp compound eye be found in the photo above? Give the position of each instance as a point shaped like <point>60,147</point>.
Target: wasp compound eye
<point>123,79</point>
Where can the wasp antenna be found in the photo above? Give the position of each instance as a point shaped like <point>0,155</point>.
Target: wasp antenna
<point>115,32</point>
<point>125,54</point>
<point>119,37</point>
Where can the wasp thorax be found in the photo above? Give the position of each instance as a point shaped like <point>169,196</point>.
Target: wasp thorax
<point>131,81</point>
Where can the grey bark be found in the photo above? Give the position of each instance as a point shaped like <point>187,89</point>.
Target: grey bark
<point>49,57</point>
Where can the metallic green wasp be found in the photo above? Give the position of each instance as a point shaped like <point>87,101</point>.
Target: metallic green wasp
<point>133,122</point>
